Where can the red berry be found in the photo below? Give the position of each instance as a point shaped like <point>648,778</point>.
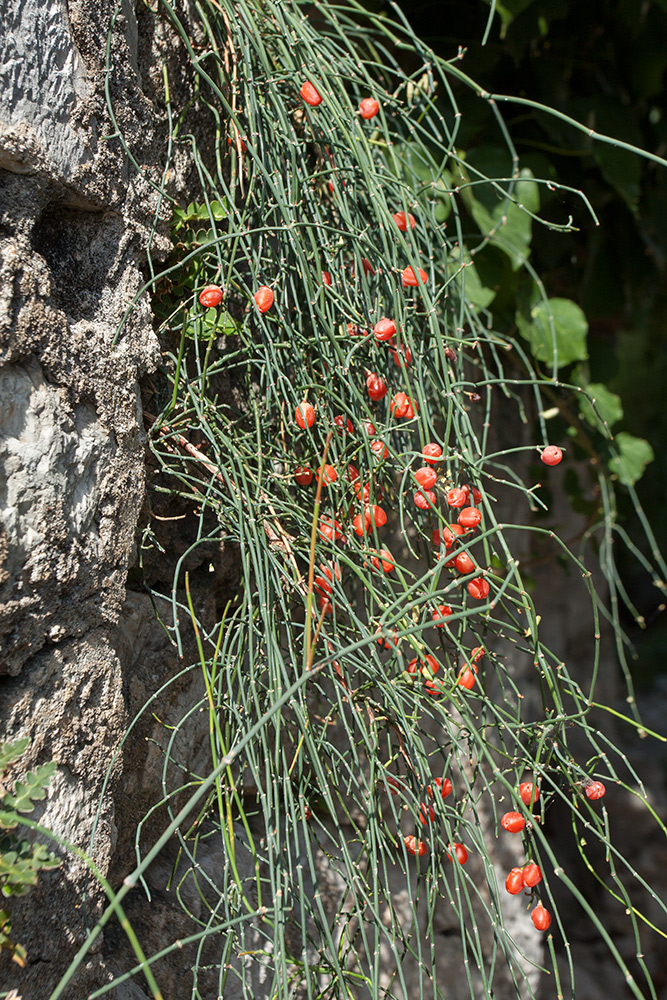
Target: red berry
<point>399,404</point>
<point>395,786</point>
<point>424,499</point>
<point>457,497</point>
<point>369,107</point>
<point>513,822</point>
<point>326,278</point>
<point>384,329</point>
<point>328,475</point>
<point>366,264</point>
<point>264,298</point>
<point>309,94</point>
<point>469,517</point>
<point>466,678</point>
<point>379,448</point>
<point>383,560</point>
<point>376,387</point>
<point>354,330</point>
<point>426,477</point>
<point>411,278</point>
<point>426,812</point>
<point>325,604</point>
<point>443,785</point>
<point>541,918</point>
<point>514,882</point>
<point>305,415</point>
<point>401,355</point>
<point>464,563</point>
<point>532,874</point>
<point>329,529</point>
<point>595,790</point>
<point>440,613</point>
<point>432,452</point>
<point>369,427</point>
<point>361,522</point>
<point>415,846</point>
<point>450,354</point>
<point>528,793</point>
<point>303,475</point>
<point>344,425</point>
<point>211,296</point>
<point>236,142</point>
<point>383,641</point>
<point>403,221</point>
<point>478,588</point>
<point>460,852</point>
<point>377,516</point>
<point>552,455</point>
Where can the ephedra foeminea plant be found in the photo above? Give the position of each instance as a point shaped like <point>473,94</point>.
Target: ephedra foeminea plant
<point>386,724</point>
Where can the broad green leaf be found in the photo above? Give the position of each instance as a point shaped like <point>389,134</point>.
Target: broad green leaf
<point>570,328</point>
<point>607,408</point>
<point>497,213</point>
<point>634,454</point>
<point>468,281</point>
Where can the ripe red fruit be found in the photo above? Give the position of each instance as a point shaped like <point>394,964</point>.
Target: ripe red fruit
<point>514,882</point>
<point>442,785</point>
<point>528,792</point>
<point>426,477</point>
<point>415,846</point>
<point>595,790</point>
<point>379,448</point>
<point>464,563</point>
<point>361,522</point>
<point>377,516</point>
<point>469,517</point>
<point>264,298</point>
<point>401,355</point>
<point>369,427</point>
<point>457,497</point>
<point>344,425</point>
<point>309,94</point>
<point>552,455</point>
<point>440,613</point>
<point>466,678</point>
<point>376,386</point>
<point>541,918</point>
<point>369,107</point>
<point>426,812</point>
<point>432,452</point>
<point>403,221</point>
<point>303,475</point>
<point>411,278</point>
<point>383,641</point>
<point>513,822</point>
<point>328,475</point>
<point>424,499</point>
<point>395,786</point>
<point>460,852</point>
<point>532,874</point>
<point>383,560</point>
<point>329,529</point>
<point>367,266</point>
<point>384,329</point>
<point>211,296</point>
<point>325,604</point>
<point>399,404</point>
<point>305,415</point>
<point>326,278</point>
<point>478,588</point>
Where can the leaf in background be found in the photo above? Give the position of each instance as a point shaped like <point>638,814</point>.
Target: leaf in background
<point>10,752</point>
<point>468,281</point>
<point>634,455</point>
<point>608,406</point>
<point>495,212</point>
<point>570,328</point>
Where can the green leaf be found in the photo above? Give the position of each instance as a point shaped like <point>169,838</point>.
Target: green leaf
<point>468,281</point>
<point>28,791</point>
<point>607,407</point>
<point>10,752</point>
<point>633,457</point>
<point>498,213</point>
<point>570,328</point>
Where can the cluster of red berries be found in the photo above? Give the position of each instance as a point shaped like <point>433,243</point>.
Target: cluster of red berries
<point>441,787</point>
<point>212,296</point>
<point>530,875</point>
